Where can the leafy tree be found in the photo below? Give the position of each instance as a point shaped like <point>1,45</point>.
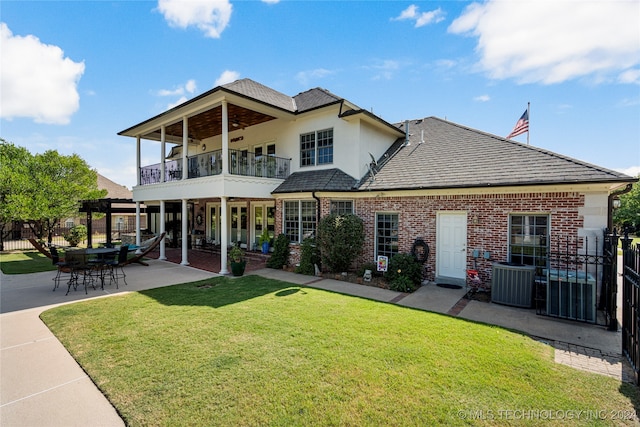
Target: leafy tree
<point>42,189</point>
<point>14,175</point>
<point>341,238</point>
<point>628,214</point>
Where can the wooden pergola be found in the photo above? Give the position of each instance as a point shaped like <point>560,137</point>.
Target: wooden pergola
<point>107,207</point>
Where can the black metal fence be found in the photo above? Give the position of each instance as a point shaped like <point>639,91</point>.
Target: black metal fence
<point>631,304</point>
<point>579,282</point>
<point>17,238</point>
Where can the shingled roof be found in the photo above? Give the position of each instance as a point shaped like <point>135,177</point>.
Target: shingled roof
<point>304,101</point>
<point>317,180</point>
<point>260,92</point>
<point>455,156</point>
<point>114,191</point>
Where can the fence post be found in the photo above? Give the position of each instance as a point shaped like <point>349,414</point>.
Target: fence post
<point>613,280</point>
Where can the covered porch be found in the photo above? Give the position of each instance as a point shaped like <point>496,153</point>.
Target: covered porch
<point>211,223</point>
<point>213,187</point>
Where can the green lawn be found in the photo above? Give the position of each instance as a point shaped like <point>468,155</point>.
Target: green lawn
<point>25,262</point>
<point>254,351</point>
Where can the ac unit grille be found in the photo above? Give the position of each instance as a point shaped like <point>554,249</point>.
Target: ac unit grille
<point>512,284</point>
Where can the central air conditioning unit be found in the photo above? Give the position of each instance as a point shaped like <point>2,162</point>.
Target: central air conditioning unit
<point>512,284</point>
<point>571,295</point>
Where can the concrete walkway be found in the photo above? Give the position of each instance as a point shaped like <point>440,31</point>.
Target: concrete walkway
<point>42,385</point>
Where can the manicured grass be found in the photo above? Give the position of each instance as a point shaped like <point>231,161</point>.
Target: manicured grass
<point>25,262</point>
<point>254,351</point>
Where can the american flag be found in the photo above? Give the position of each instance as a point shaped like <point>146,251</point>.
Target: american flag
<point>521,126</point>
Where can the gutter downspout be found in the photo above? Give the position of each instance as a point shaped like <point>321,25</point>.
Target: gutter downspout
<point>313,194</point>
<point>610,204</point>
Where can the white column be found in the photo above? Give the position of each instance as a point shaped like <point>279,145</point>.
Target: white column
<point>185,146</point>
<point>163,254</point>
<point>225,139</point>
<point>138,159</point>
<point>137,223</point>
<point>185,232</point>
<point>224,238</point>
<point>163,151</point>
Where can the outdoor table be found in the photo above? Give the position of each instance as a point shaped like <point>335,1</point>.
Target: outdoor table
<point>102,256</point>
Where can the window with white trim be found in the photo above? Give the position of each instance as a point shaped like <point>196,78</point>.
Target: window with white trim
<point>341,207</point>
<point>299,219</point>
<point>316,148</point>
<point>386,234</point>
<point>528,240</point>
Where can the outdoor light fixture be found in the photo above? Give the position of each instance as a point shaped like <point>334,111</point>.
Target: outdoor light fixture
<point>616,203</point>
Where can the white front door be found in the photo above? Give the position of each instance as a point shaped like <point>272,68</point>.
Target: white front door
<point>451,245</point>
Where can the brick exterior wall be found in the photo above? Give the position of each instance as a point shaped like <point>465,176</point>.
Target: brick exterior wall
<point>487,221</point>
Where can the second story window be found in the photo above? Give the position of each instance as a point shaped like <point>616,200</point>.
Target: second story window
<point>316,148</point>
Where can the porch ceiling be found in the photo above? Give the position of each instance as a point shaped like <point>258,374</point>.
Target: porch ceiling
<point>209,123</point>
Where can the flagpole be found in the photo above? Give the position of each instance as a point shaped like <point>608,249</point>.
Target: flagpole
<point>529,116</point>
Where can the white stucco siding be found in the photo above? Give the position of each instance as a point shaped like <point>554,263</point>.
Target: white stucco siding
<point>353,140</point>
<point>373,142</point>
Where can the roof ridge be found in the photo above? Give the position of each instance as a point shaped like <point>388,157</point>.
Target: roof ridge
<point>528,147</point>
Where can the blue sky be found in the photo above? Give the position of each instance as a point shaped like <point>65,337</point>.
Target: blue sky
<point>75,73</point>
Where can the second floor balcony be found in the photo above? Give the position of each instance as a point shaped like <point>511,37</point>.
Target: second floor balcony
<point>241,162</point>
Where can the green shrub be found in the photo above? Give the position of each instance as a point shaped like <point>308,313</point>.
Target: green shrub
<point>280,255</point>
<point>309,256</point>
<point>341,238</point>
<point>404,265</point>
<point>402,284</point>
<point>75,235</point>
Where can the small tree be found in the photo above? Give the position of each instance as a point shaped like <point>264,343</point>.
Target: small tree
<point>76,234</point>
<point>309,257</point>
<point>341,238</point>
<point>280,255</point>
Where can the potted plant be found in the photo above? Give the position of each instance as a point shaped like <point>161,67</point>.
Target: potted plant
<point>237,261</point>
<point>265,241</point>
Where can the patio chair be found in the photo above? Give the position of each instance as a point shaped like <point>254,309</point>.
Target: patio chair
<point>78,264</point>
<point>119,263</point>
<point>63,267</point>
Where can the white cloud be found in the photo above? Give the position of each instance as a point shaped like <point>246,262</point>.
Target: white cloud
<point>631,171</point>
<point>482,98</point>
<point>227,76</point>
<point>271,1</point>
<point>421,19</point>
<point>209,16</point>
<point>630,76</point>
<point>554,41</point>
<point>188,87</point>
<point>304,77</point>
<point>384,69</point>
<point>37,80</point>
<point>182,90</point>
<point>182,100</point>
